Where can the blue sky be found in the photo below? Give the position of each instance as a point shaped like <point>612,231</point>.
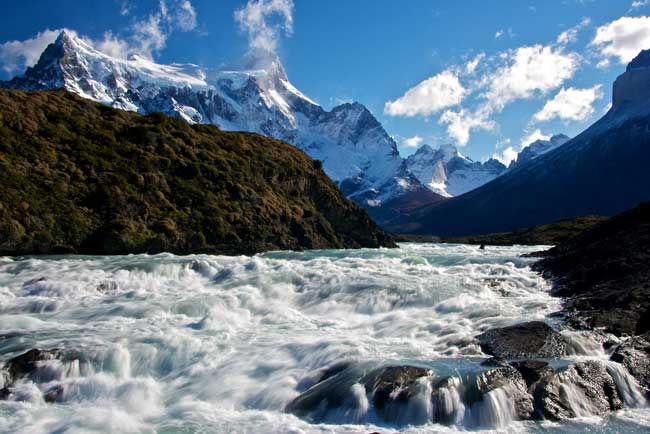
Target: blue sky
<point>483,75</point>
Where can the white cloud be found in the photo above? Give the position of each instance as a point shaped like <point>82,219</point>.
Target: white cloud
<point>504,32</point>
<point>532,137</point>
<point>623,38</point>
<point>17,55</point>
<point>470,67</point>
<point>185,16</point>
<point>571,35</point>
<point>506,156</point>
<point>638,4</point>
<point>509,154</point>
<point>529,70</point>
<point>461,123</point>
<point>570,104</point>
<point>434,94</point>
<point>264,21</point>
<point>489,84</point>
<point>413,142</point>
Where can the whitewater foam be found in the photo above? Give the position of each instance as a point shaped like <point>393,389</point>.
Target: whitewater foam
<point>222,344</point>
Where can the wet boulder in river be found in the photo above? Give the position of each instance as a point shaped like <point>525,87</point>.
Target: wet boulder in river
<point>634,354</point>
<point>499,392</point>
<point>533,339</point>
<point>582,389</point>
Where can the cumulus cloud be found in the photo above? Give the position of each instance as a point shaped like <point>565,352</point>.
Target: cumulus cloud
<point>17,55</point>
<point>521,73</point>
<point>413,142</point>
<point>570,105</point>
<point>623,38</point>
<point>264,21</point>
<point>461,123</point>
<point>529,70</point>
<point>434,94</point>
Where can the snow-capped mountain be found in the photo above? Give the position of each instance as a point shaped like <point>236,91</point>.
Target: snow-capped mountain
<point>537,148</point>
<point>254,95</point>
<point>447,172</point>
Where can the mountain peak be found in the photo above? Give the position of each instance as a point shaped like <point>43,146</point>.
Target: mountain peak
<point>642,60</point>
<point>631,88</point>
<point>259,59</point>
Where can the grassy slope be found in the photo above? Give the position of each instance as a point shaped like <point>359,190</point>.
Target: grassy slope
<point>77,176</point>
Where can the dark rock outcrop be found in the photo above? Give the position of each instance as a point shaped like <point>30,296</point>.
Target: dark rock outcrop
<point>604,274</point>
<point>526,340</point>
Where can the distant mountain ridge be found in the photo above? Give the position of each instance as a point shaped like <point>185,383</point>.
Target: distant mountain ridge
<point>447,172</point>
<point>602,171</point>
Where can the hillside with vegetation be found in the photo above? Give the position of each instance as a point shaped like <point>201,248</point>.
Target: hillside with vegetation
<point>79,177</point>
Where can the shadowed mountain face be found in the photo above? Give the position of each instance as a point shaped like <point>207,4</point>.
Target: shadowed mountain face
<point>602,171</point>
<point>78,176</point>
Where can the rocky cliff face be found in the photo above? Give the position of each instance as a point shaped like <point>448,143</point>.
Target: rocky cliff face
<point>77,176</point>
<point>631,88</point>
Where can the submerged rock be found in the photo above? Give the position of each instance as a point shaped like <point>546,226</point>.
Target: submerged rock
<point>583,389</point>
<point>27,363</point>
<point>533,339</point>
<point>634,354</point>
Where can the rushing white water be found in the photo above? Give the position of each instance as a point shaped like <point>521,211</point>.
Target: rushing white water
<point>216,344</point>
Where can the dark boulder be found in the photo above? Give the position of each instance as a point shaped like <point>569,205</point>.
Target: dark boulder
<point>386,388</point>
<point>533,339</point>
<point>634,354</point>
<point>582,389</point>
<point>510,383</point>
<point>391,388</point>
